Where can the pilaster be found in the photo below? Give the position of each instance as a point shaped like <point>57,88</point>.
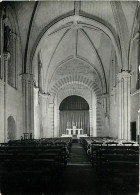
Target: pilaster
<point>28,105</point>
<point>90,122</point>
<point>14,40</point>
<point>43,101</point>
<point>1,45</point>
<point>51,119</point>
<point>124,105</point>
<point>138,133</point>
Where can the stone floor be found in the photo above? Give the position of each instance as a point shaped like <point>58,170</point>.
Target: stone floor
<point>79,176</point>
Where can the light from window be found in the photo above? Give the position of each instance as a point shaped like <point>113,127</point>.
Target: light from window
<point>139,68</point>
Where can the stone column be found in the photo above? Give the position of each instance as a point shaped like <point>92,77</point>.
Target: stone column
<point>51,119</point>
<point>55,118</point>
<point>58,122</point>
<point>6,57</point>
<point>138,123</point>
<point>124,105</point>
<point>138,126</point>
<point>14,39</point>
<point>90,122</point>
<point>28,105</point>
<point>94,116</point>
<point>1,44</point>
<point>43,111</point>
<point>36,114</point>
<point>31,103</point>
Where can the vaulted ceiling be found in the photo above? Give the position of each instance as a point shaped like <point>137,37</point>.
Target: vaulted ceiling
<point>63,34</point>
<point>71,48</point>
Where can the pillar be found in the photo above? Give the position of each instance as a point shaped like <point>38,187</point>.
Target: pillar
<point>1,44</point>
<point>124,105</point>
<point>28,104</point>
<point>138,123</point>
<point>36,114</point>
<point>58,122</point>
<point>138,126</point>
<point>90,122</point>
<point>94,116</point>
<point>6,57</point>
<point>51,119</point>
<point>43,113</point>
<point>15,46</point>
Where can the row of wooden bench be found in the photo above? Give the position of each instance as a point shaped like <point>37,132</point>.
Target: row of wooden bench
<point>115,165</point>
<point>42,161</point>
<point>39,159</point>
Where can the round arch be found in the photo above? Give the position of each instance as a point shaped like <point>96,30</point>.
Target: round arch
<point>74,111</point>
<point>96,108</point>
<point>93,109</point>
<point>102,78</point>
<point>73,92</point>
<point>75,80</point>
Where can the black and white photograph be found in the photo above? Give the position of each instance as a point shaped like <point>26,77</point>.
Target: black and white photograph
<point>69,97</point>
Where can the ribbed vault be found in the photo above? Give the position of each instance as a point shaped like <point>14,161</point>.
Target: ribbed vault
<point>71,38</point>
<point>73,56</point>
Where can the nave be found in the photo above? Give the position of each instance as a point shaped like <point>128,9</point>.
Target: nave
<point>69,97</point>
<point>32,167</point>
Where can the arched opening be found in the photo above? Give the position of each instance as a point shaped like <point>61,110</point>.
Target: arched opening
<point>11,128</point>
<point>74,111</point>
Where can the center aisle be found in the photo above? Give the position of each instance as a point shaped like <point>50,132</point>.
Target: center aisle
<point>79,176</point>
<point>78,156</point>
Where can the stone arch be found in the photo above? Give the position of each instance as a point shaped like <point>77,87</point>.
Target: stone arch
<point>86,112</point>
<point>73,92</point>
<point>11,125</point>
<point>77,80</point>
<point>97,129</point>
<point>93,118</point>
<point>101,76</point>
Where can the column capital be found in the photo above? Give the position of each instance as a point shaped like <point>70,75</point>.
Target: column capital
<point>104,95</point>
<point>123,74</point>
<point>44,95</point>
<point>51,105</point>
<point>6,56</point>
<point>36,89</point>
<point>14,36</point>
<point>24,76</point>
<point>27,77</point>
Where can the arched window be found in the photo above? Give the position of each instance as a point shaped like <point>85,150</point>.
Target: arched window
<point>11,128</point>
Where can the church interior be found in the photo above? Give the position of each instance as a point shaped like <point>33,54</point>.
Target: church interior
<point>69,97</point>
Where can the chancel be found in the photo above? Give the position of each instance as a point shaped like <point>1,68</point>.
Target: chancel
<point>69,97</point>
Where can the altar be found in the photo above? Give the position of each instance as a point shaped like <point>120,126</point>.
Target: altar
<point>74,131</point>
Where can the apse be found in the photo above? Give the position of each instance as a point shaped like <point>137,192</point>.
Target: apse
<point>74,111</point>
